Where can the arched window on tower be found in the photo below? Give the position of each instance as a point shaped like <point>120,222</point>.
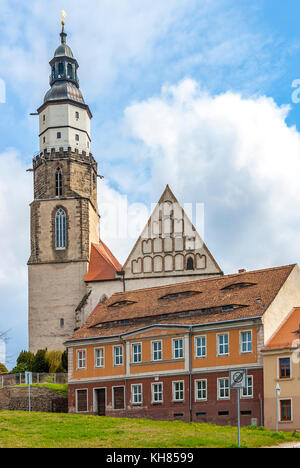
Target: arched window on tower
<point>190,264</point>
<point>60,69</point>
<point>70,71</point>
<point>58,182</point>
<point>60,230</point>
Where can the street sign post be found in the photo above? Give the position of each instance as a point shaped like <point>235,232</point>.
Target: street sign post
<point>238,381</point>
<point>28,381</point>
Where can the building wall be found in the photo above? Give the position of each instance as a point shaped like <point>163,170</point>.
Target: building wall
<point>55,290</point>
<point>290,390</point>
<point>168,363</point>
<point>169,370</point>
<point>206,411</point>
<point>62,118</point>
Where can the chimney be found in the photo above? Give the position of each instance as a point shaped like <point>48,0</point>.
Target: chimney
<point>242,271</point>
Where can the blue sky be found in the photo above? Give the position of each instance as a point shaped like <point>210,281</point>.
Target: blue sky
<point>194,93</point>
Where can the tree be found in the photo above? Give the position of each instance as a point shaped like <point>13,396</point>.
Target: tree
<point>64,361</point>
<point>40,363</point>
<point>54,360</point>
<point>24,362</point>
<point>3,369</point>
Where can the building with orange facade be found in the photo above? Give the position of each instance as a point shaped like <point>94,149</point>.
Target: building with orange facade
<point>281,358</point>
<point>166,352</point>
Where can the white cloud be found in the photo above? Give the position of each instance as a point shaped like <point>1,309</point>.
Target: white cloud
<point>123,39</point>
<point>235,154</point>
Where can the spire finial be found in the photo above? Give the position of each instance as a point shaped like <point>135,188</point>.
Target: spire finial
<point>63,35</point>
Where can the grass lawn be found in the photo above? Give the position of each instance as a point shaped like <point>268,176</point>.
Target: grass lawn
<point>21,429</point>
<point>62,388</point>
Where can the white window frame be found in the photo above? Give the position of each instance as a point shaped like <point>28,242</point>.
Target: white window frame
<point>174,399</point>
<point>159,351</point>
<point>153,401</point>
<point>138,354</point>
<point>219,345</point>
<point>219,389</point>
<point>87,400</point>
<point>136,403</point>
<point>196,389</point>
<point>173,347</point>
<point>241,341</point>
<point>78,359</point>
<point>196,347</point>
<point>115,356</point>
<point>252,386</point>
<point>101,366</point>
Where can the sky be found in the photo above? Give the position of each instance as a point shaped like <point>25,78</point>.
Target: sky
<point>203,95</point>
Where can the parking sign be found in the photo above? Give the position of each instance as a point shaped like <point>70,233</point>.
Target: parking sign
<point>238,378</point>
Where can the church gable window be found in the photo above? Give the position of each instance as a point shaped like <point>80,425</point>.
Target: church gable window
<point>60,230</point>
<point>190,264</point>
<point>58,182</point>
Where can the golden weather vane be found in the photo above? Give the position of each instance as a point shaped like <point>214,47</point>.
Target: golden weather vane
<point>63,15</point>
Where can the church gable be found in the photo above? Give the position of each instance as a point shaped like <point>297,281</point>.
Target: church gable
<point>170,245</point>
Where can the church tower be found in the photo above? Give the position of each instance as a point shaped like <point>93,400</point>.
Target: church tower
<point>64,213</point>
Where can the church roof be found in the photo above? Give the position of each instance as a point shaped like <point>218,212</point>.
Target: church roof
<point>232,297</point>
<point>103,264</point>
<point>288,334</point>
<point>62,90</point>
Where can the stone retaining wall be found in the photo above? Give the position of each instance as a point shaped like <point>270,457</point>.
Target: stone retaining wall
<point>41,399</point>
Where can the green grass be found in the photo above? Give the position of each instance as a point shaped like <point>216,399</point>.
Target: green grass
<point>62,388</point>
<point>32,430</point>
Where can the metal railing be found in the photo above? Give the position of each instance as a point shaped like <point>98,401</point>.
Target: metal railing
<point>10,380</point>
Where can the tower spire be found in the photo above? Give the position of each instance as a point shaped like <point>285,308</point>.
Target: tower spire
<point>63,34</point>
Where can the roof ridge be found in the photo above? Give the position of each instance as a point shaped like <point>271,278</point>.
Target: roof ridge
<point>204,280</point>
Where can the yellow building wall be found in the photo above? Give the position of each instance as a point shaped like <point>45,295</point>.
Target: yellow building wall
<point>290,389</point>
<point>167,364</point>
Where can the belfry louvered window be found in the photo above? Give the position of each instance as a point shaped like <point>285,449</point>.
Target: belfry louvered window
<point>58,183</point>
<point>60,230</point>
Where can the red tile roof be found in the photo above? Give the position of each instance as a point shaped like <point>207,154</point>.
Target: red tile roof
<point>103,265</point>
<point>210,304</point>
<point>288,334</point>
